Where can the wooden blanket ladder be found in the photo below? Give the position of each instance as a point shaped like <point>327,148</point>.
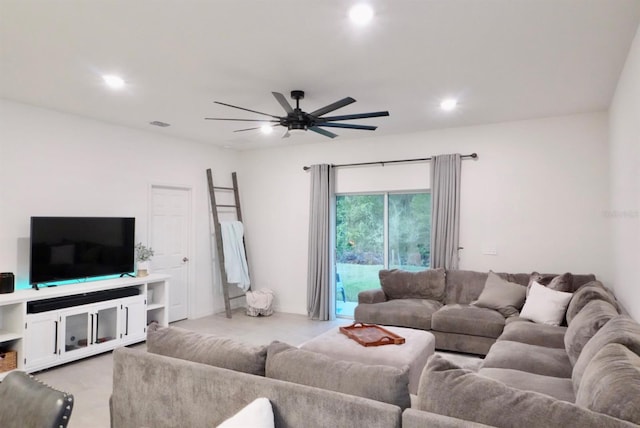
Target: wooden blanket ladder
<point>218,237</point>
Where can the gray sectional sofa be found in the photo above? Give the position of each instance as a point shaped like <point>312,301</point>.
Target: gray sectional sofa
<point>440,301</point>
<point>585,374</point>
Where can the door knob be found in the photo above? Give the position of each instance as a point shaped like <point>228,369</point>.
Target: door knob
<point>185,259</point>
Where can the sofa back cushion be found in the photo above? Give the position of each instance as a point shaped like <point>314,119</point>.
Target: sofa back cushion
<point>593,290</point>
<point>426,284</point>
<point>465,286</point>
<point>585,325</point>
<point>501,295</point>
<point>611,383</point>
<point>206,349</point>
<point>381,383</point>
<point>620,329</point>
<point>448,390</point>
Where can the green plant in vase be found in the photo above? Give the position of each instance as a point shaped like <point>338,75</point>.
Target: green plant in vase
<point>143,256</point>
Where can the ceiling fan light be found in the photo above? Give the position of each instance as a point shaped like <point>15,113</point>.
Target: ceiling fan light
<point>361,14</point>
<point>266,129</point>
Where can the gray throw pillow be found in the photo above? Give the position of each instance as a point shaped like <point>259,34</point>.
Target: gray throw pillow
<point>501,295</point>
<point>585,325</point>
<point>381,383</point>
<point>562,282</point>
<point>206,349</point>
<point>593,290</point>
<point>426,284</point>
<point>611,383</point>
<point>620,329</point>
<point>448,390</point>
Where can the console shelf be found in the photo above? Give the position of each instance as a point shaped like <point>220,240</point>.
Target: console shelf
<point>102,316</point>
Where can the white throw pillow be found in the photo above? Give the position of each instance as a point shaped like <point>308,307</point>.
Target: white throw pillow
<point>257,414</point>
<point>545,306</point>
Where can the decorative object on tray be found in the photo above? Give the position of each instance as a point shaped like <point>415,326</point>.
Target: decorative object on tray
<point>371,335</point>
<point>143,256</point>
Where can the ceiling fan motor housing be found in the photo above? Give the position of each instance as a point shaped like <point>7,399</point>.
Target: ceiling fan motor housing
<point>297,95</point>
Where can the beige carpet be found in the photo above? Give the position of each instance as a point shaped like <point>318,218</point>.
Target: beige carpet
<point>90,379</point>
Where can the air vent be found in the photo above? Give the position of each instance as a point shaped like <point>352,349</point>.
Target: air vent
<point>160,124</point>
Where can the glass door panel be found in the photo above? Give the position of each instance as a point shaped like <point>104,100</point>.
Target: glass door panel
<point>359,247</point>
<point>106,324</point>
<point>409,231</point>
<point>76,331</point>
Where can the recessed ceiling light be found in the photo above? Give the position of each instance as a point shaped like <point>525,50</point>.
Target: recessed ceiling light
<point>113,81</point>
<point>361,14</point>
<point>266,129</point>
<point>449,104</point>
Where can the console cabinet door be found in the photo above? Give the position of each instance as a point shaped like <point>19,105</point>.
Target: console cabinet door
<point>42,339</point>
<point>134,318</point>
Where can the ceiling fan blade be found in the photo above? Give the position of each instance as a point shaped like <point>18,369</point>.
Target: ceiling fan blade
<point>322,132</point>
<point>283,102</point>
<point>347,125</point>
<point>355,116</point>
<point>286,133</point>
<point>331,107</point>
<point>243,120</point>
<point>246,109</point>
<point>248,129</point>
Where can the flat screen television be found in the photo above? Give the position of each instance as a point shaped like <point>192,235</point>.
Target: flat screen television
<point>65,248</point>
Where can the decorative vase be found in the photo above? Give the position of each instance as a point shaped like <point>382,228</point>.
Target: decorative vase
<point>143,269</point>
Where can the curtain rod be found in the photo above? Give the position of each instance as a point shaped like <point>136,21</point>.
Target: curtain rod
<point>383,163</point>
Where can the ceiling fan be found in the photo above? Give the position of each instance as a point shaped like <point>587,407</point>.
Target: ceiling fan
<point>297,120</point>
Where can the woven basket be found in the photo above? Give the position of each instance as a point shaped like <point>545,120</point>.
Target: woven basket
<point>8,361</point>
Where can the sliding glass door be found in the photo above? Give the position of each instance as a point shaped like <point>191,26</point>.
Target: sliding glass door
<point>378,231</point>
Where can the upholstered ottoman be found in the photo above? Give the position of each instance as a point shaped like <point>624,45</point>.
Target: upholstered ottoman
<point>418,347</point>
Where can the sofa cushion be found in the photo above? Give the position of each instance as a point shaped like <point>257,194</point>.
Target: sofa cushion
<point>562,282</point>
<point>381,383</point>
<point>589,320</point>
<point>412,313</point>
<point>620,329</point>
<point>448,390</point>
<point>466,319</point>
<point>549,336</point>
<point>505,354</point>
<point>544,305</point>
<point>501,295</point>
<point>206,349</point>
<point>556,282</point>
<point>257,414</point>
<point>556,387</point>
<point>593,290</point>
<point>611,383</point>
<point>426,284</point>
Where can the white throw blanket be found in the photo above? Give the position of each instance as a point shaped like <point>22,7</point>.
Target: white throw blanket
<point>235,260</point>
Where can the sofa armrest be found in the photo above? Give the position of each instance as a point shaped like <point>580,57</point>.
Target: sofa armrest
<point>413,418</point>
<point>375,295</point>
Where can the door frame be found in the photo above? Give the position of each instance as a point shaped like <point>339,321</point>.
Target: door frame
<point>190,235</point>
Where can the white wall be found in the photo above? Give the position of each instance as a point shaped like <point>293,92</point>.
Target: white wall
<point>538,194</point>
<point>624,215</point>
<point>57,164</point>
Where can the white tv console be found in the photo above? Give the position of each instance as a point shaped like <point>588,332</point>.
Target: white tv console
<point>50,337</point>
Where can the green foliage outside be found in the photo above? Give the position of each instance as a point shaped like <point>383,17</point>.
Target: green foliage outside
<point>360,237</point>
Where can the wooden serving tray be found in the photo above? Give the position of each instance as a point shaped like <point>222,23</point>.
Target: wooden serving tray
<point>371,335</point>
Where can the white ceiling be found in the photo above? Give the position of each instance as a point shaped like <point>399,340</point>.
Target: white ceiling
<point>504,60</point>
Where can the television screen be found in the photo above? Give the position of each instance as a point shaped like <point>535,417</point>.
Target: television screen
<point>64,248</point>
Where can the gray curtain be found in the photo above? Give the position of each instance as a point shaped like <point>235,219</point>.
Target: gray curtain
<point>445,210</point>
<point>320,278</point>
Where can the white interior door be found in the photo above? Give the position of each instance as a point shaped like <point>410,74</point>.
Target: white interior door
<point>170,226</point>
